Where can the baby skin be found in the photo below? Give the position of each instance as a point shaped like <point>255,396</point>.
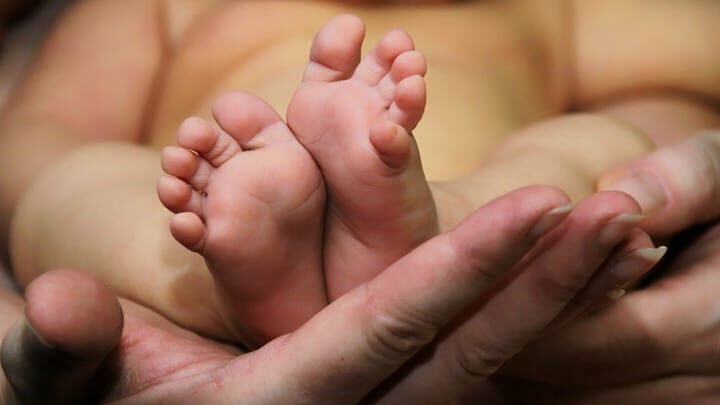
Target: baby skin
<point>250,198</point>
<point>290,217</point>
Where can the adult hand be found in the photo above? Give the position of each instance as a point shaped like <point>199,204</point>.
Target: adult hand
<point>70,341</point>
<point>658,344</point>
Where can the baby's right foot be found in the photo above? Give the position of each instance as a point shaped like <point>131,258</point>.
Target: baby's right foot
<point>355,119</point>
<point>250,199</point>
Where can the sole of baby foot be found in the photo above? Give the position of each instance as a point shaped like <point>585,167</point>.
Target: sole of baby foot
<point>250,200</point>
<point>355,117</point>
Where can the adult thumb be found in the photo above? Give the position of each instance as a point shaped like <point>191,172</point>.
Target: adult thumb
<point>677,186</point>
<point>72,322</point>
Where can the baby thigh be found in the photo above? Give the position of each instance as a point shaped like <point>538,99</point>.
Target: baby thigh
<point>90,81</point>
<point>96,210</point>
<point>569,152</point>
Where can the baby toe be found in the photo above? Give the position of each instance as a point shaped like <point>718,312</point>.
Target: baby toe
<point>188,229</point>
<point>409,102</point>
<point>379,62</point>
<point>179,162</point>
<point>178,196</point>
<point>335,51</point>
<point>408,64</point>
<point>207,140</point>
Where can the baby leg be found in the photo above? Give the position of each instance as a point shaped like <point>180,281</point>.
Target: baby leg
<point>569,152</point>
<point>106,218</point>
<point>80,88</point>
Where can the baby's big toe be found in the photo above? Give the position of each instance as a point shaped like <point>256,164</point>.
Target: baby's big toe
<point>335,50</point>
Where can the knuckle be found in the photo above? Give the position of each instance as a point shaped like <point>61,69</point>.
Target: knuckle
<point>481,259</point>
<point>560,287</point>
<point>392,336</point>
<point>397,332</point>
<point>479,359</point>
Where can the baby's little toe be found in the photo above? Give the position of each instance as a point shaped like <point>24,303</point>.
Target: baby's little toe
<point>393,145</point>
<point>188,229</point>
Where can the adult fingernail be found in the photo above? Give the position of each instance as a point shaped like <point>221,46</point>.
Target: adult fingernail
<point>628,218</point>
<point>644,188</point>
<point>616,228</point>
<point>549,221</point>
<point>651,254</point>
<point>616,294</point>
<point>637,262</point>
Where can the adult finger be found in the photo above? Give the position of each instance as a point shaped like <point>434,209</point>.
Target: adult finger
<point>71,323</point>
<point>628,265</point>
<point>545,284</point>
<point>360,339</point>
<point>677,186</point>
<point>669,327</point>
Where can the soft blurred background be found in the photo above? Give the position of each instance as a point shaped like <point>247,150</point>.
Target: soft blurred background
<point>23,25</point>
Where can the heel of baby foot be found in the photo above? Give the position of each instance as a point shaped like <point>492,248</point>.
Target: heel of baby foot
<point>392,143</point>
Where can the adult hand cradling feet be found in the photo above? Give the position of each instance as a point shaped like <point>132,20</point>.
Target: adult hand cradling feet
<point>658,343</point>
<point>345,351</point>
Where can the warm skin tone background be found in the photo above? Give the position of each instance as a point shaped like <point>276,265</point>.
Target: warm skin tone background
<point>523,62</point>
<point>682,93</point>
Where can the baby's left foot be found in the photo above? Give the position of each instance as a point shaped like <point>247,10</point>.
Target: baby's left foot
<point>249,198</point>
<point>355,119</point>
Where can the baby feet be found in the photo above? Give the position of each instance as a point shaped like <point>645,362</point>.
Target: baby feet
<point>355,118</point>
<point>250,199</point>
<point>249,196</point>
